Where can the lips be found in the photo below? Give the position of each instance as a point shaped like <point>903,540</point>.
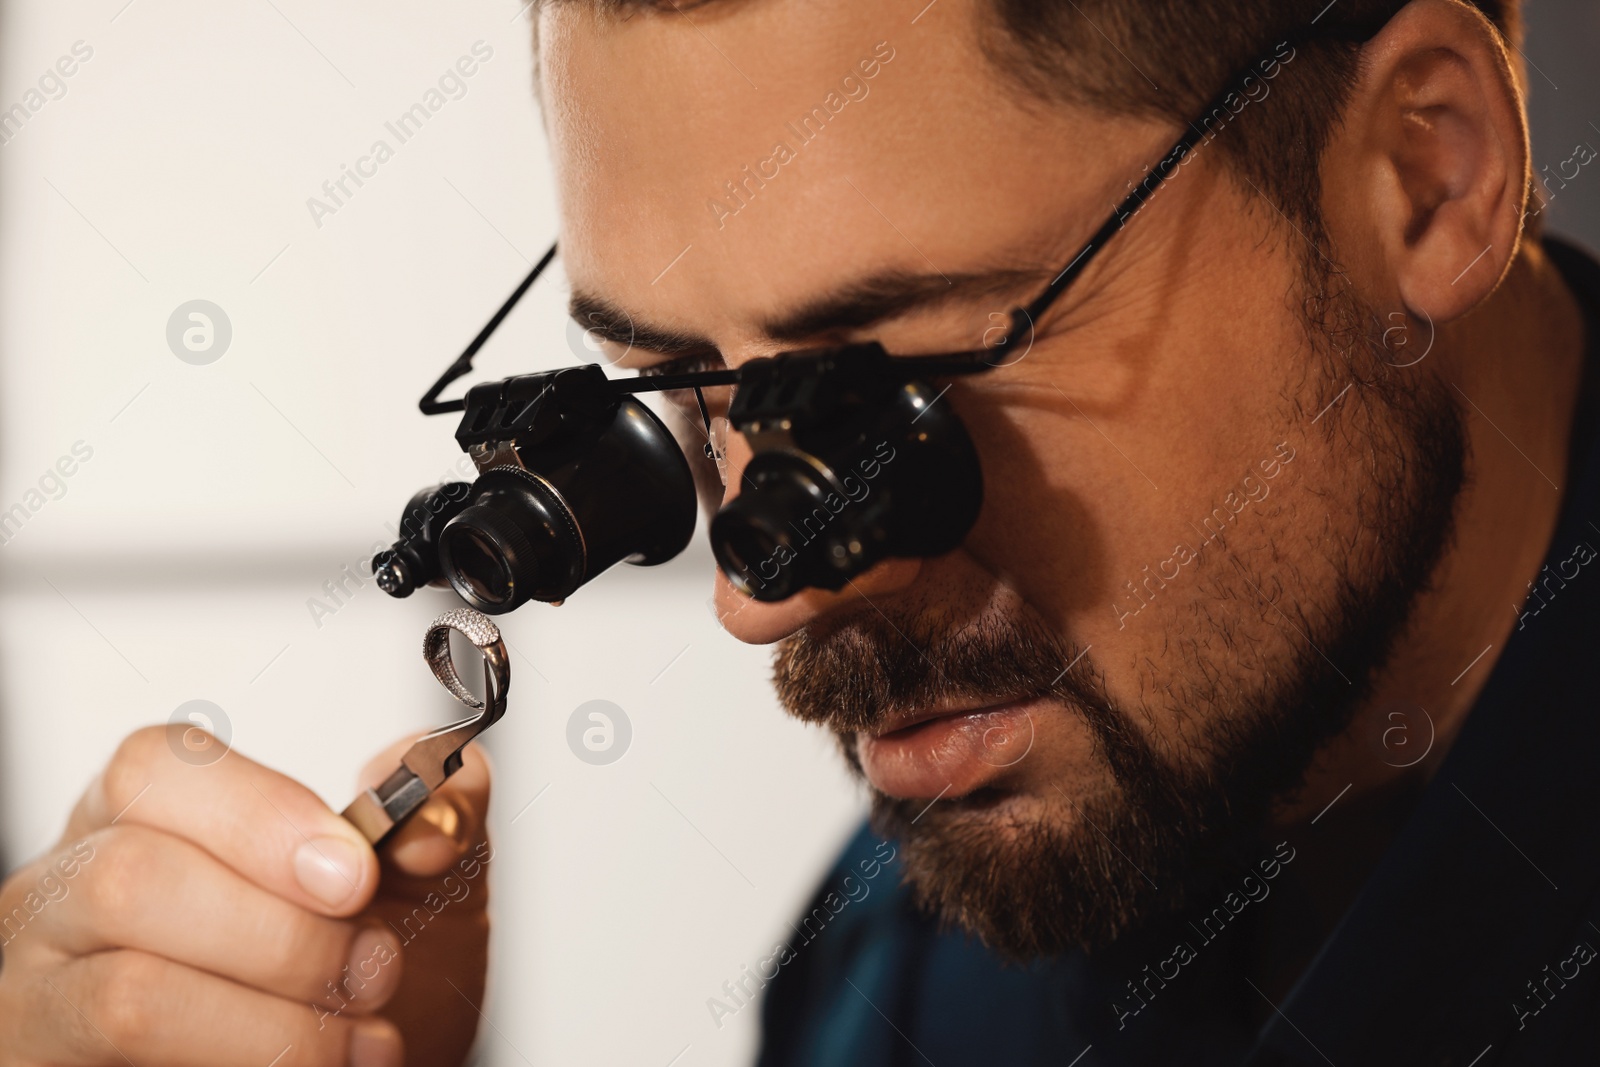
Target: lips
<point>933,753</point>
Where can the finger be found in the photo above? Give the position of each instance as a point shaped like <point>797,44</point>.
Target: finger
<point>122,1007</point>
<point>446,829</point>
<point>142,889</point>
<point>271,829</point>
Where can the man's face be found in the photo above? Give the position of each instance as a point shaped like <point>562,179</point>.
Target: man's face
<point>1195,547</point>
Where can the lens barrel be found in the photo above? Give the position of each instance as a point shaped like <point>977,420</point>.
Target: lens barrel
<point>760,537</point>
<point>517,541</point>
<point>577,478</point>
<point>851,465</point>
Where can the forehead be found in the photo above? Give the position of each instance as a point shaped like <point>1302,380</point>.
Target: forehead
<point>717,165</point>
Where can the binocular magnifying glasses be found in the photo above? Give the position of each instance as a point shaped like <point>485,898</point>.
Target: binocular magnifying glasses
<point>854,460</point>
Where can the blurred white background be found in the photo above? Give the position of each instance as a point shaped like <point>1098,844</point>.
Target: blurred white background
<point>179,561</point>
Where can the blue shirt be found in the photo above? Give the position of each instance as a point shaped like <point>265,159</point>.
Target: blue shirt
<point>1471,942</point>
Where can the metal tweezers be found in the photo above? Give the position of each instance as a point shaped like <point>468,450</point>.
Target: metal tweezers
<point>436,756</point>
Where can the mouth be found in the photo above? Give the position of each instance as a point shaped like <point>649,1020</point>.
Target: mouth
<point>936,752</point>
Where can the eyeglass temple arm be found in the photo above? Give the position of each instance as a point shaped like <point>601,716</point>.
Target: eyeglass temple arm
<point>1023,319</point>
<point>430,403</point>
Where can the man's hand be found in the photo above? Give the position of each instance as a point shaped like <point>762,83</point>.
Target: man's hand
<point>222,914</point>
<point>433,896</point>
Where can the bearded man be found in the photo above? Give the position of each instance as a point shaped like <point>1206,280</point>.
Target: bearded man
<point>1247,724</point>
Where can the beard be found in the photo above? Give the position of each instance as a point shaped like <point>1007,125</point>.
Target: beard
<point>1060,872</point>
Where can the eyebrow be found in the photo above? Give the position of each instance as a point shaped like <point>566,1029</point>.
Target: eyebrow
<point>856,305</point>
<point>605,320</point>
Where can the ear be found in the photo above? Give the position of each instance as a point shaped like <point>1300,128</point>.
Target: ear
<point>1432,157</point>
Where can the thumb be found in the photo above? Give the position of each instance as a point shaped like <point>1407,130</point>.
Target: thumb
<point>447,828</point>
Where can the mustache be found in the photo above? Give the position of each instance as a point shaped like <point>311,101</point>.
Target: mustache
<point>859,673</point>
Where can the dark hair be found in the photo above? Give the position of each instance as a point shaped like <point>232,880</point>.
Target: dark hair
<point>1168,58</point>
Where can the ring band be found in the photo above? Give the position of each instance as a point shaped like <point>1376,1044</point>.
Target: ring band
<point>475,627</point>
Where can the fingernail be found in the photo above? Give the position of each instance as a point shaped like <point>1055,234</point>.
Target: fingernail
<point>329,868</point>
<point>444,816</point>
<point>375,1043</point>
<point>375,963</point>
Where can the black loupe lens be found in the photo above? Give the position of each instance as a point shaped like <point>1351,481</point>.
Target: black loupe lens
<point>749,553</point>
<point>482,567</point>
<point>764,540</point>
<point>488,559</point>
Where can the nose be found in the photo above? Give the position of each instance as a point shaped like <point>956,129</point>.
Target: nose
<point>759,623</point>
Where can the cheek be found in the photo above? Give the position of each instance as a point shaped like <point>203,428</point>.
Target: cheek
<point>1037,532</point>
<point>1100,463</point>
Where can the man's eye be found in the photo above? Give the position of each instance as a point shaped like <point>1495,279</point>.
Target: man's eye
<point>685,402</point>
<point>697,363</point>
